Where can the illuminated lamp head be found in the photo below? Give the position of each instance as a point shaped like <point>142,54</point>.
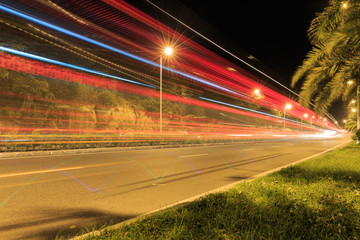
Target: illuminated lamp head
<point>168,51</point>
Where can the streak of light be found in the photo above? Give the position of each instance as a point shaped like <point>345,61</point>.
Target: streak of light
<point>54,27</point>
<point>48,60</point>
<point>240,135</point>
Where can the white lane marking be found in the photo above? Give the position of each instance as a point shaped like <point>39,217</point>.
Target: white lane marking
<point>196,155</point>
<point>248,149</point>
<point>37,172</point>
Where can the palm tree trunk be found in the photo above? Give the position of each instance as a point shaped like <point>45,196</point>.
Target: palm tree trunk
<point>358,107</point>
<point>358,112</point>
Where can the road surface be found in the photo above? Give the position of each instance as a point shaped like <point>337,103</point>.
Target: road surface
<point>41,197</point>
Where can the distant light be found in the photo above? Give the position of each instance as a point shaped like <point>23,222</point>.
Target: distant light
<point>354,110</point>
<point>168,51</point>
<point>350,82</point>
<point>306,115</point>
<point>329,132</point>
<point>288,106</point>
<point>345,5</point>
<point>257,92</point>
<point>353,101</point>
<point>231,69</point>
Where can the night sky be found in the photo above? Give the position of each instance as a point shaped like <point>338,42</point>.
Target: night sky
<point>274,32</point>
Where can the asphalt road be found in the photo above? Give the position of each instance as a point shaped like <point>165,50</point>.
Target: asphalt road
<point>41,197</point>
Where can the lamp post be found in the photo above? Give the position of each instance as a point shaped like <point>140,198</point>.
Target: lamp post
<point>168,51</point>
<point>305,116</point>
<point>311,120</point>
<point>287,106</point>
<point>358,107</point>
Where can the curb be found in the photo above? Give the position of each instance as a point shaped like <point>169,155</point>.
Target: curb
<point>194,198</point>
<point>113,149</point>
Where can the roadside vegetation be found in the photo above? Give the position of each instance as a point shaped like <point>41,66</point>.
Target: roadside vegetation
<point>330,71</point>
<point>316,199</point>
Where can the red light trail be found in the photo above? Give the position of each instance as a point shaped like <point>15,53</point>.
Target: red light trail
<point>113,49</point>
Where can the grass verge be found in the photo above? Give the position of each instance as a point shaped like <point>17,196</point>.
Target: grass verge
<point>316,199</point>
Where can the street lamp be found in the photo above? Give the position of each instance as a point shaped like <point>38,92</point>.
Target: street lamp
<point>168,51</point>
<point>311,120</point>
<point>288,107</point>
<point>305,116</point>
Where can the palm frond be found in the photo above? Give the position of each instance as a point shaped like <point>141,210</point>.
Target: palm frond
<point>312,59</point>
<point>351,126</point>
<point>335,57</point>
<point>326,23</point>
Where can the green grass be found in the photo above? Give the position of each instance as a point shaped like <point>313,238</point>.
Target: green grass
<point>316,199</point>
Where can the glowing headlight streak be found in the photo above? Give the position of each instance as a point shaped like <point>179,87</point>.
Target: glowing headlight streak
<point>83,53</point>
<point>48,60</point>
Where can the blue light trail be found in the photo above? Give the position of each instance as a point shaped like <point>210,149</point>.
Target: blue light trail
<point>89,40</point>
<point>48,60</point>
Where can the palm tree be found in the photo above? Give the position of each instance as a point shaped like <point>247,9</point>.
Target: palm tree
<point>334,61</point>
<point>351,123</point>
